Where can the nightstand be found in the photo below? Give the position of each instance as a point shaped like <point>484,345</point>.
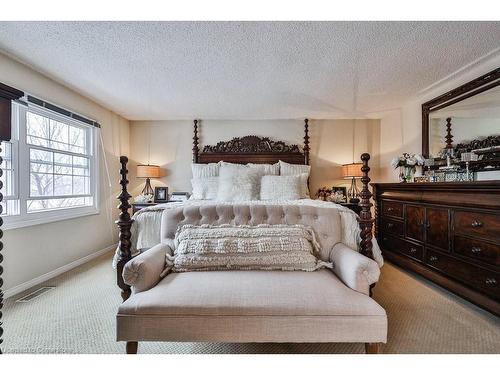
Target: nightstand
<point>137,206</point>
<point>352,206</point>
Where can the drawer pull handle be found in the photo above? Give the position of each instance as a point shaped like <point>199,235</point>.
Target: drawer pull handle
<point>413,250</point>
<point>491,281</point>
<point>390,209</point>
<point>476,224</point>
<point>428,225</point>
<point>433,258</point>
<point>384,239</point>
<point>390,225</point>
<point>476,250</point>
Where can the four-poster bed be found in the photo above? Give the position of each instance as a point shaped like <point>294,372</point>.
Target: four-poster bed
<point>146,272</point>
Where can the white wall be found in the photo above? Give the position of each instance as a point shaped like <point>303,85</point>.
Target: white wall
<point>169,145</point>
<point>401,128</point>
<point>31,252</point>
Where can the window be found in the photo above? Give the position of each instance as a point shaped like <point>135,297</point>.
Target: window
<point>10,203</point>
<point>56,178</point>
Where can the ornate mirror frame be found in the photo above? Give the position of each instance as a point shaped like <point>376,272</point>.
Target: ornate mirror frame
<point>474,87</point>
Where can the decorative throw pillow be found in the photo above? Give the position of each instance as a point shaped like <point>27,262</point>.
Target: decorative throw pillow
<point>287,169</point>
<point>280,187</point>
<point>205,188</point>
<point>262,247</point>
<point>205,170</point>
<point>233,166</point>
<point>266,169</point>
<point>238,184</point>
<point>304,186</point>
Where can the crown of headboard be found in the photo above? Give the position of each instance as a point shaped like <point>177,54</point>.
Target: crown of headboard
<point>251,149</point>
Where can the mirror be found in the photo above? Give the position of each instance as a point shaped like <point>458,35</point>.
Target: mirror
<point>473,118</point>
<point>462,120</point>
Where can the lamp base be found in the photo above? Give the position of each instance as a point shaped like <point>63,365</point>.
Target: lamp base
<point>353,192</point>
<point>148,190</point>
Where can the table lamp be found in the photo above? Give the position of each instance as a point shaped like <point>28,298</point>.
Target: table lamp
<point>352,171</point>
<point>148,172</point>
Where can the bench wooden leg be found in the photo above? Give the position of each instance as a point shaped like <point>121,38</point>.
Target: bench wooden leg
<point>132,347</point>
<point>371,348</point>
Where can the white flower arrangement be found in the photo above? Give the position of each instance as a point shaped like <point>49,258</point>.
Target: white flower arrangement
<point>407,160</point>
<point>144,198</point>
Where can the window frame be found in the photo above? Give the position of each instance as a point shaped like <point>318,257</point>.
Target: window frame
<point>22,174</point>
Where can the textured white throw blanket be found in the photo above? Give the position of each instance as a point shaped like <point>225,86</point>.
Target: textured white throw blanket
<point>146,226</point>
<point>245,247</point>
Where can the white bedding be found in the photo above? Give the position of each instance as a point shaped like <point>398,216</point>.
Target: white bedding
<point>146,226</point>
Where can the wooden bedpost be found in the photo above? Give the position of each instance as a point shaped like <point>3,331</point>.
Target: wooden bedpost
<point>124,223</point>
<point>7,95</point>
<point>196,150</point>
<point>449,136</point>
<point>365,217</point>
<point>306,141</point>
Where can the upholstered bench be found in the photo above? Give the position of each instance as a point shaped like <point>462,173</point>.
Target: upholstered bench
<point>253,306</point>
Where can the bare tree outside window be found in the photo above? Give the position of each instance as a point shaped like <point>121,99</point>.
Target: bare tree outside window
<point>59,163</point>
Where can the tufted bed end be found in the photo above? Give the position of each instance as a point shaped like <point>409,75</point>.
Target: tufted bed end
<point>325,221</point>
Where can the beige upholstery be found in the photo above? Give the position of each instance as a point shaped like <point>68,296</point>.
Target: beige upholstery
<point>251,306</point>
<point>325,222</point>
<point>143,272</point>
<point>354,269</point>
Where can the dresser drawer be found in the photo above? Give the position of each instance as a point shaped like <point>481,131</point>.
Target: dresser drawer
<point>402,247</point>
<point>478,224</point>
<point>473,276</point>
<point>390,243</point>
<point>394,209</point>
<point>413,251</point>
<point>478,250</point>
<point>392,227</point>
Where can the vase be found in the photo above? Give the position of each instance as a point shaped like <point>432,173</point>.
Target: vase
<point>406,174</point>
<point>418,171</point>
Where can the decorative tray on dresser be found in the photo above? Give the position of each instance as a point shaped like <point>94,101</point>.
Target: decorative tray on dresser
<point>447,232</point>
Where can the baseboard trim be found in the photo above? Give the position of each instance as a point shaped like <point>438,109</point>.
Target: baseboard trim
<point>58,271</point>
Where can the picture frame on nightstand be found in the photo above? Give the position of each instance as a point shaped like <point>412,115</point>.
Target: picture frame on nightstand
<point>342,190</point>
<point>161,194</point>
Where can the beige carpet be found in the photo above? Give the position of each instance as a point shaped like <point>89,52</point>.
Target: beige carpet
<point>79,317</point>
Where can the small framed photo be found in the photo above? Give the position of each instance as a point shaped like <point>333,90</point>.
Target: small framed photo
<point>161,194</point>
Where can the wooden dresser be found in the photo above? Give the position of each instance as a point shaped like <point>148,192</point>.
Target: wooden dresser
<point>446,232</point>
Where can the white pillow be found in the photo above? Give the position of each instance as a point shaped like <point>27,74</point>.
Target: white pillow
<point>233,166</point>
<point>280,187</point>
<point>287,169</point>
<point>304,186</point>
<point>205,170</point>
<point>261,247</point>
<point>205,188</point>
<point>266,169</point>
<point>238,185</point>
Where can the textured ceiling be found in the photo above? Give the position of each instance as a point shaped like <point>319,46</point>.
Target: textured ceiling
<point>248,70</point>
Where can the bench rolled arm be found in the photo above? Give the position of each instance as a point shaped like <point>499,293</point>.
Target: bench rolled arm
<point>355,270</point>
<point>145,270</point>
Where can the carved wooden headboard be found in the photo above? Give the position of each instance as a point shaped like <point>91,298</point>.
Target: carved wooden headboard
<point>251,149</point>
